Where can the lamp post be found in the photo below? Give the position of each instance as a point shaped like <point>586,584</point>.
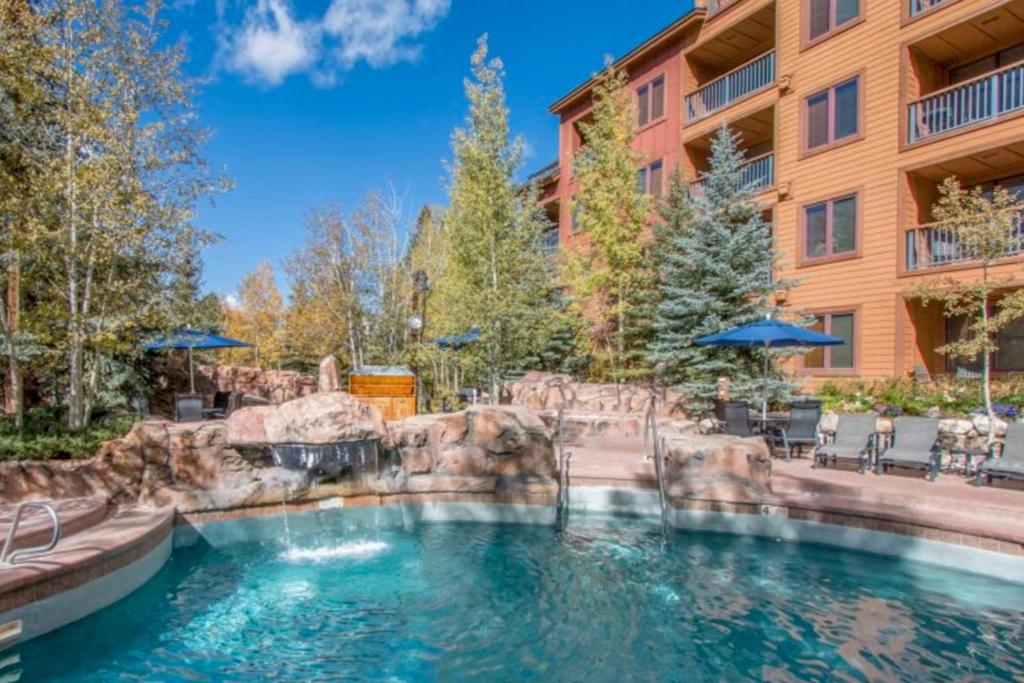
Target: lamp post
<point>418,324</point>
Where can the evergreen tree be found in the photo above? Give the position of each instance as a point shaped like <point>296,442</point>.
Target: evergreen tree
<point>610,275</point>
<point>715,262</point>
<point>497,278</point>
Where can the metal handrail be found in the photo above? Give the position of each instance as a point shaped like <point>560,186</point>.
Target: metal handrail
<point>562,502</point>
<point>8,555</point>
<point>657,448</point>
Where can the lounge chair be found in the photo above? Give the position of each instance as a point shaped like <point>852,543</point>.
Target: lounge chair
<point>1010,463</point>
<point>801,429</point>
<point>188,408</point>
<point>737,419</point>
<point>855,440</point>
<point>916,445</point>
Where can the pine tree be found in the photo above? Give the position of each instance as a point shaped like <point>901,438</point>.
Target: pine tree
<point>609,275</point>
<point>715,262</point>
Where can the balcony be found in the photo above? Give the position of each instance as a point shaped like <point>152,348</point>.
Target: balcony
<point>744,80</point>
<point>985,98</point>
<point>757,173</point>
<point>921,6</point>
<point>929,246</point>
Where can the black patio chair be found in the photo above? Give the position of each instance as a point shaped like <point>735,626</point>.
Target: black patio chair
<point>1010,463</point>
<point>736,420</point>
<point>855,440</point>
<point>915,444</point>
<point>224,403</point>
<point>801,429</point>
<point>188,408</point>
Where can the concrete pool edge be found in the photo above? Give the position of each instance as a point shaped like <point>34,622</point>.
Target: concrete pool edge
<point>79,599</point>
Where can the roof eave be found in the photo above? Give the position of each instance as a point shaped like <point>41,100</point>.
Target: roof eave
<point>665,34</point>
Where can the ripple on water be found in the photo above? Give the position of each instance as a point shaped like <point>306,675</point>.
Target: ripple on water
<point>604,601</point>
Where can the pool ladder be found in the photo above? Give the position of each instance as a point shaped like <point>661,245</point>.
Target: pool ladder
<point>562,511</point>
<point>657,447</point>
<point>8,555</point>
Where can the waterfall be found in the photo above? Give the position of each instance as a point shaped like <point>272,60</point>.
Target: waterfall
<point>284,509</point>
<point>348,459</point>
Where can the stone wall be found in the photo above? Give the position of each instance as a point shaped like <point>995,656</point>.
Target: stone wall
<point>276,386</point>
<point>956,432</point>
<point>546,391</point>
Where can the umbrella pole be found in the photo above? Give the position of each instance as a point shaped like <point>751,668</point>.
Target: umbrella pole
<point>764,403</point>
<point>191,373</point>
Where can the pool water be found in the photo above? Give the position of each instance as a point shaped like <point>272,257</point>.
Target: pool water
<point>606,600</point>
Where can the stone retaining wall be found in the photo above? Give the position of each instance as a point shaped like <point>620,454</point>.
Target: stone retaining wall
<point>547,391</point>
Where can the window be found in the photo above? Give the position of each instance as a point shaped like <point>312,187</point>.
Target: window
<point>648,179</point>
<point>825,16</point>
<point>1009,356</point>
<point>650,101</point>
<point>830,227</point>
<point>833,115</point>
<point>980,67</point>
<point>832,357</point>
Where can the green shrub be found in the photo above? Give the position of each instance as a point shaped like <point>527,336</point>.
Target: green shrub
<point>46,437</point>
<point>951,397</point>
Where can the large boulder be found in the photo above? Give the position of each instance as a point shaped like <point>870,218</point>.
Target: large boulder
<point>717,467</point>
<point>482,441</point>
<point>328,378</point>
<point>316,419</point>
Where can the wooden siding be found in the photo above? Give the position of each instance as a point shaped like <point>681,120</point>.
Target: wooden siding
<point>894,335</point>
<point>395,396</point>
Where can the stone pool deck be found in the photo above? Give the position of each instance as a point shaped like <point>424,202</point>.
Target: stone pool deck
<point>951,510</point>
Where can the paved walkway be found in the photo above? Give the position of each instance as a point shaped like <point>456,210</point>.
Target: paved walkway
<point>952,502</point>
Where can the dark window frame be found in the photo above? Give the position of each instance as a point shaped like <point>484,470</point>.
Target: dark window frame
<point>830,254</point>
<point>645,175</point>
<point>826,367</point>
<point>833,28</point>
<point>645,95</point>
<point>831,141</point>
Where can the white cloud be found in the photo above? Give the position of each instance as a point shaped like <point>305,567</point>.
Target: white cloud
<point>272,43</point>
<point>379,31</point>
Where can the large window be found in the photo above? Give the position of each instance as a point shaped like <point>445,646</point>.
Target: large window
<point>1009,356</point>
<point>649,179</point>
<point>650,101</point>
<point>840,357</point>
<point>833,115</point>
<point>830,228</point>
<point>825,16</point>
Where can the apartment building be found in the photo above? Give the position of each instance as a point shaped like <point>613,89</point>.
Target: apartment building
<point>851,112</point>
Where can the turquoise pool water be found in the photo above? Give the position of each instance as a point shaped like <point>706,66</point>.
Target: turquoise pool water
<point>363,596</point>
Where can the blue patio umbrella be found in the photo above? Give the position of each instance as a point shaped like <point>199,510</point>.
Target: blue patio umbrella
<point>193,339</point>
<point>768,334</point>
<point>458,341</point>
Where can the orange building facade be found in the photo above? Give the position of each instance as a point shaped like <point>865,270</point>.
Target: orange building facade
<point>851,112</point>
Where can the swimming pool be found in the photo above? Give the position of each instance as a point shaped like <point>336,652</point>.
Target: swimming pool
<point>368,595</point>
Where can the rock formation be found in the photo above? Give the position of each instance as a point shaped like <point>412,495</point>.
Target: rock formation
<point>546,391</point>
<point>316,419</point>
<point>329,375</point>
<point>717,467</point>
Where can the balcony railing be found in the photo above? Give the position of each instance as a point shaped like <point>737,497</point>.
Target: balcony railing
<point>748,78</point>
<point>982,99</point>
<point>931,246</point>
<point>549,240</point>
<point>918,6</point>
<point>758,173</point>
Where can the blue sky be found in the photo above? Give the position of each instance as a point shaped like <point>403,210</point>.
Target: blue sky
<point>318,101</point>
